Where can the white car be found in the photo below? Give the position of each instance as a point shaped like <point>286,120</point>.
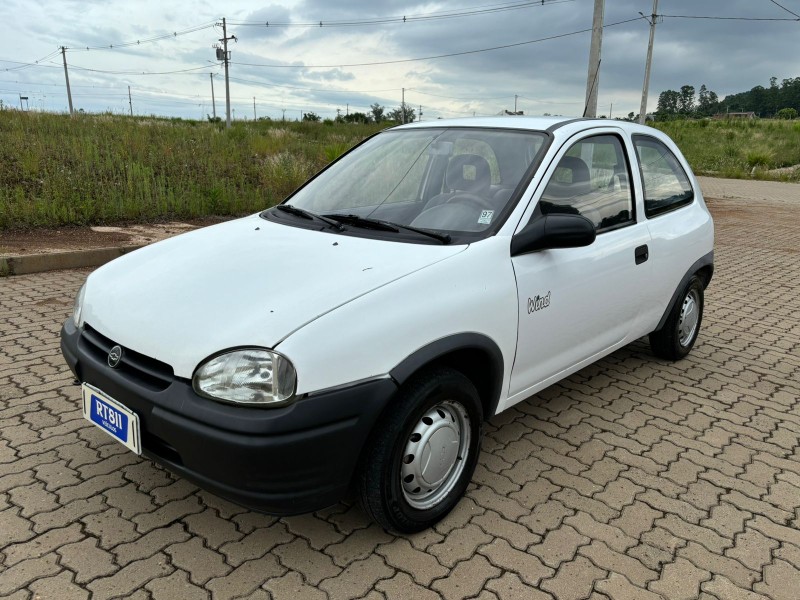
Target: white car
<point>358,335</point>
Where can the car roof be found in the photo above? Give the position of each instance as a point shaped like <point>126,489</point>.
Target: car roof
<point>569,125</point>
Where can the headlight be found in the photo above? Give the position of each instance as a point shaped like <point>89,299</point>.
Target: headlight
<point>249,376</point>
<point>78,306</point>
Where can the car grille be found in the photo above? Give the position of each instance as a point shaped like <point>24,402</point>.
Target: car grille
<point>147,371</point>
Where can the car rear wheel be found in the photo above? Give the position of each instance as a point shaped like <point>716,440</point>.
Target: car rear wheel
<point>676,339</point>
<point>423,452</point>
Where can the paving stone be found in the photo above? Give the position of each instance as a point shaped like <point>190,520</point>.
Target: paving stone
<point>312,564</point>
<point>255,544</point>
<point>781,581</point>
<point>87,560</point>
<point>610,560</point>
<point>510,586</point>
<point>129,578</point>
<point>291,586</point>
<point>517,535</point>
<point>41,544</point>
<point>357,579</point>
<point>723,565</point>
<point>401,586</point>
<point>680,580</point>
<point>459,545</point>
<point>318,532</point>
<point>559,545</point>
<point>529,568</point>
<point>574,580</point>
<point>400,554</point>
<point>27,571</point>
<point>722,587</point>
<point>200,562</point>
<point>753,549</point>
<point>359,544</point>
<point>613,536</point>
<point>176,585</point>
<point>110,528</point>
<point>619,588</point>
<point>59,586</point>
<point>466,579</point>
<point>245,579</point>
<point>149,543</point>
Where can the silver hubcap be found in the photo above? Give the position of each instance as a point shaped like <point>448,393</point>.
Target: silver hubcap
<point>435,455</point>
<point>690,315</point>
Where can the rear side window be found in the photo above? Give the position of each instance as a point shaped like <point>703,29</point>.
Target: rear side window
<point>666,186</point>
<point>592,180</point>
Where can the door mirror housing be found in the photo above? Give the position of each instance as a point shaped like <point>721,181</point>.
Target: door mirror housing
<point>547,232</point>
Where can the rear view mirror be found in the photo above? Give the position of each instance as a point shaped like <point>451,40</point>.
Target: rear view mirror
<point>551,231</point>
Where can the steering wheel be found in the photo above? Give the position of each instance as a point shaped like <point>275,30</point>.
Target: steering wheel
<point>467,198</point>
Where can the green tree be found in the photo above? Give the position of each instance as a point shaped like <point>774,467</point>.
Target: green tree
<point>686,100</point>
<point>397,114</point>
<point>668,103</point>
<point>312,117</point>
<point>356,117</point>
<point>787,113</point>
<point>377,112</point>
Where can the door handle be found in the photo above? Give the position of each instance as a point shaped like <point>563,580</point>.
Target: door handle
<point>642,254</point>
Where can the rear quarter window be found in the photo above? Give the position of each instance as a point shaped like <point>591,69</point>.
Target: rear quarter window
<point>666,185</point>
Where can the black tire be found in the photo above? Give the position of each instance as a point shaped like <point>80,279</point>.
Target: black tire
<point>674,341</point>
<point>383,495</point>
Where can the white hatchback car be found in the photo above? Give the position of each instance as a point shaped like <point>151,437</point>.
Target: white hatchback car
<point>358,335</point>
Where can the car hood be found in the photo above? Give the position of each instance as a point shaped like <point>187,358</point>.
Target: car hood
<point>248,282</point>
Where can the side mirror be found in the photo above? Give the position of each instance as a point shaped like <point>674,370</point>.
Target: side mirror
<point>553,231</point>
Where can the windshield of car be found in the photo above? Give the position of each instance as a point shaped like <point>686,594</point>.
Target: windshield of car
<point>446,180</point>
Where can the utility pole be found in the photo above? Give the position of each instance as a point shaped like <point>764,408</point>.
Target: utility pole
<point>403,108</point>
<point>66,77</point>
<point>646,85</point>
<point>610,111</point>
<point>515,103</point>
<point>593,78</point>
<point>213,102</point>
<point>254,109</point>
<point>348,110</point>
<point>226,58</point>
<point>420,113</point>
<point>130,102</point>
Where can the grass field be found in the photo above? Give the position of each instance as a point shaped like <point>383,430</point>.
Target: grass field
<point>92,169</point>
<point>55,170</point>
<point>739,148</point>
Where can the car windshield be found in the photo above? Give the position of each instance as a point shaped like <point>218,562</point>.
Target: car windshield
<point>446,180</point>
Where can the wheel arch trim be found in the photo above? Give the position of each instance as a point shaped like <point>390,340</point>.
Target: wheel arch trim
<point>704,263</point>
<point>442,347</point>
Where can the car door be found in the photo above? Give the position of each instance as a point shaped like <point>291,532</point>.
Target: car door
<point>575,304</point>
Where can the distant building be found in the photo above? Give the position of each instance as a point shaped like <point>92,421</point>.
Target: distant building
<point>511,113</point>
<point>735,115</point>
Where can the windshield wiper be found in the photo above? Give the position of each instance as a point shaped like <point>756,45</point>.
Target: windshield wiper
<point>307,214</point>
<point>377,224</point>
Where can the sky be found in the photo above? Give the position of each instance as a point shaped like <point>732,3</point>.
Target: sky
<point>288,70</point>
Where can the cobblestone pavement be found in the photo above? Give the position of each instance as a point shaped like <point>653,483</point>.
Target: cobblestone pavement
<point>633,479</point>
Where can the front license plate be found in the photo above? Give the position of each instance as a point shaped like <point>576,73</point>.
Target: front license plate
<point>116,420</point>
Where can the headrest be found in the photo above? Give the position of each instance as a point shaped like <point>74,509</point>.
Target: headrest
<point>469,173</point>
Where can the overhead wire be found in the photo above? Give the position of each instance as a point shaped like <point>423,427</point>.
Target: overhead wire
<point>435,57</point>
<point>464,12</point>
<point>791,12</point>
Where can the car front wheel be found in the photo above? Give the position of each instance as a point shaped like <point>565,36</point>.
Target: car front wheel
<point>423,452</point>
<point>676,339</point>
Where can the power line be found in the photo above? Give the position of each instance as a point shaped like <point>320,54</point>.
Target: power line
<point>139,42</point>
<point>715,17</point>
<point>302,89</point>
<point>786,9</point>
<point>451,54</point>
<point>466,12</point>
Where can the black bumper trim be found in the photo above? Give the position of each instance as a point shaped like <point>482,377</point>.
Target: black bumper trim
<point>286,460</point>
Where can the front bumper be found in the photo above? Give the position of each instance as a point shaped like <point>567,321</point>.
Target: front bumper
<point>287,460</point>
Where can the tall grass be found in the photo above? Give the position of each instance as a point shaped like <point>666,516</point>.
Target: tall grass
<point>741,148</point>
<point>91,169</point>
